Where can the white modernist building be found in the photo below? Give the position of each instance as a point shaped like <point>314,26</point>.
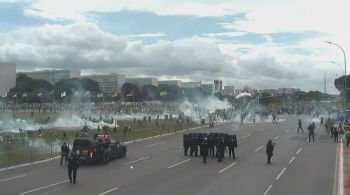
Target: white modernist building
<point>109,83</point>
<point>7,77</point>
<point>140,82</point>
<point>53,76</point>
<point>190,85</point>
<point>177,83</point>
<point>208,89</point>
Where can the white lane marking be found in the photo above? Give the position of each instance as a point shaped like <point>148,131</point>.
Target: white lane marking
<point>257,149</point>
<point>224,169</point>
<point>287,130</point>
<point>182,162</point>
<point>268,189</point>
<point>341,181</point>
<point>12,178</point>
<point>158,143</point>
<point>291,160</point>
<point>137,160</point>
<point>276,137</point>
<point>244,137</point>
<point>299,150</point>
<point>109,191</point>
<point>27,164</point>
<point>281,173</point>
<point>27,192</point>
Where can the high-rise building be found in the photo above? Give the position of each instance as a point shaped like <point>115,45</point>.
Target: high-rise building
<point>218,86</point>
<point>229,91</point>
<point>177,83</point>
<point>109,83</point>
<point>140,82</point>
<point>7,77</point>
<point>53,76</point>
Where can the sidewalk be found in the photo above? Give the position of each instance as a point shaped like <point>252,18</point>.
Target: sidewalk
<point>346,167</point>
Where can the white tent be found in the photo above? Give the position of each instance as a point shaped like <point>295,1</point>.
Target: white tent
<point>243,95</point>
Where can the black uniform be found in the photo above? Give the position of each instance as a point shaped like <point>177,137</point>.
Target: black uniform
<point>311,129</point>
<point>231,146</point>
<point>204,149</point>
<point>211,143</point>
<point>73,165</point>
<point>269,151</point>
<point>186,143</point>
<point>64,153</point>
<point>300,126</point>
<point>221,149</point>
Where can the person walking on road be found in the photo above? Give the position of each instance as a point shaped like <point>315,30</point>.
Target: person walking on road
<point>269,150</point>
<point>73,165</point>
<point>300,126</point>
<point>347,136</point>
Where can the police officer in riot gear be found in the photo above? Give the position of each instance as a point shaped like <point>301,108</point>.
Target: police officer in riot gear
<point>221,148</point>
<point>231,146</point>
<point>204,149</point>
<point>186,143</point>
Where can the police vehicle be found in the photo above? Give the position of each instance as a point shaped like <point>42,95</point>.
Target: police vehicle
<point>98,150</point>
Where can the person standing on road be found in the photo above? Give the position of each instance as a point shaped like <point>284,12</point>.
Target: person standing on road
<point>269,150</point>
<point>64,153</point>
<point>221,149</point>
<point>186,143</point>
<point>311,129</point>
<point>300,126</point>
<point>204,149</point>
<point>73,165</point>
<point>231,147</point>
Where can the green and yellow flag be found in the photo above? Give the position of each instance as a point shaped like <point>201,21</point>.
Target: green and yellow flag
<point>163,93</point>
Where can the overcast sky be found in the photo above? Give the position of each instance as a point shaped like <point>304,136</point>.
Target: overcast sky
<point>263,44</point>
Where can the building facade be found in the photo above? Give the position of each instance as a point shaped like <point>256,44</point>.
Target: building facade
<point>176,83</point>
<point>229,91</point>
<point>189,85</point>
<point>208,89</point>
<point>7,77</point>
<point>286,91</point>
<point>53,76</point>
<point>140,82</point>
<point>218,86</point>
<point>109,83</point>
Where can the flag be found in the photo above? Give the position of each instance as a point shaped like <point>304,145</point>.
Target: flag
<point>114,94</point>
<point>130,94</point>
<point>14,96</point>
<point>63,94</point>
<point>163,93</point>
<point>4,95</point>
<point>87,93</point>
<point>40,94</point>
<point>25,95</point>
<point>100,95</point>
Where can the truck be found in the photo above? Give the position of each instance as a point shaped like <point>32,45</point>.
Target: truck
<point>97,150</point>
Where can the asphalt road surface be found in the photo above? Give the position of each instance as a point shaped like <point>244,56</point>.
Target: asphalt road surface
<point>157,167</point>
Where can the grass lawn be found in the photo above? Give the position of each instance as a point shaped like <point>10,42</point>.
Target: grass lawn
<point>53,138</point>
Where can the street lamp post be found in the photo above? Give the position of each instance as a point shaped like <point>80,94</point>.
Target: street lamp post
<point>345,102</point>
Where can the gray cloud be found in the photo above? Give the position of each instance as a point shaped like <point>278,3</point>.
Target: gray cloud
<point>85,46</point>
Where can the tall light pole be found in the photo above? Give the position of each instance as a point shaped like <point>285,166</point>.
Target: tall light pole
<point>345,102</point>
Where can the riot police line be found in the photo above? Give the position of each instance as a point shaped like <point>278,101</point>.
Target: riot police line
<point>209,145</point>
